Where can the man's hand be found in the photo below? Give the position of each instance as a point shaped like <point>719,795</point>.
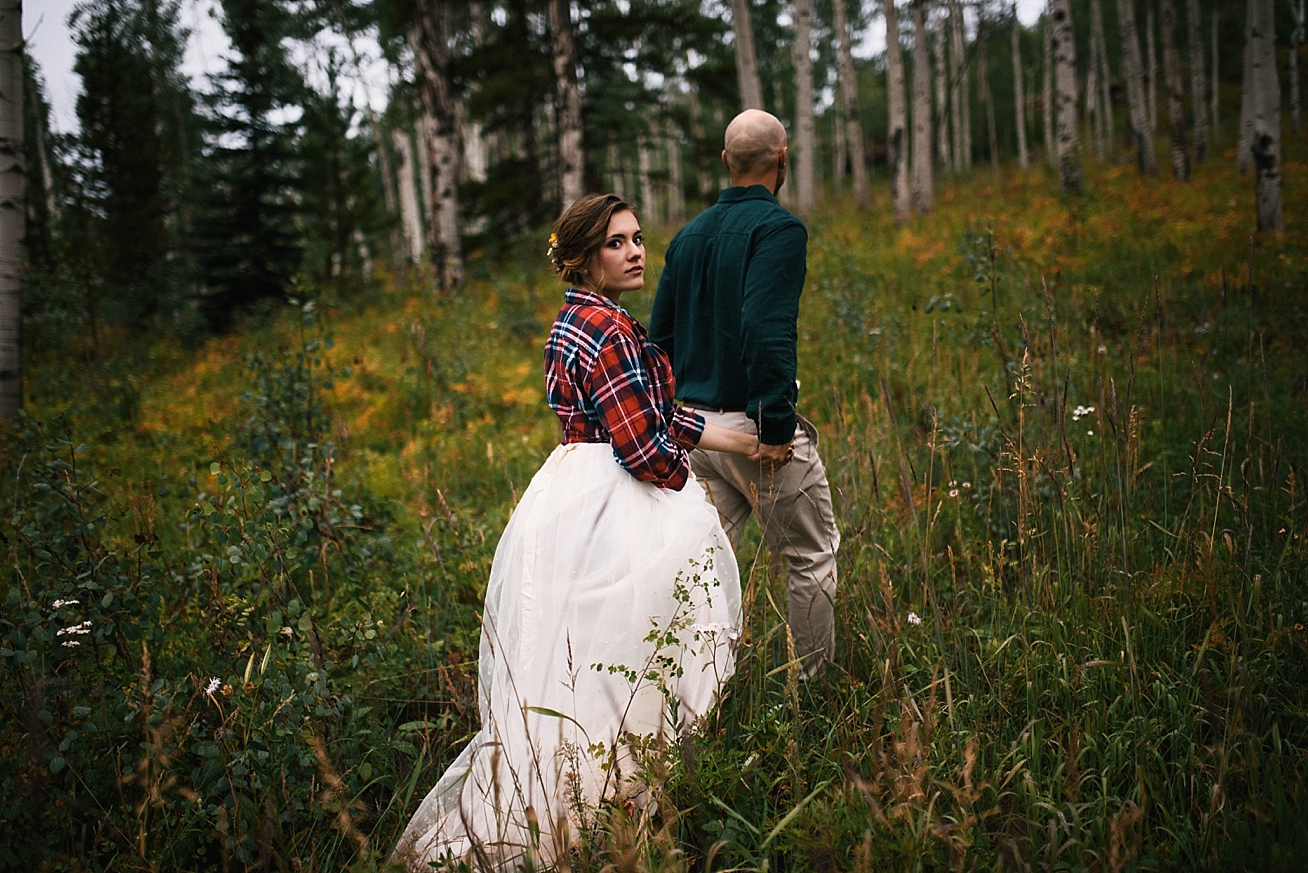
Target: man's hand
<point>774,456</point>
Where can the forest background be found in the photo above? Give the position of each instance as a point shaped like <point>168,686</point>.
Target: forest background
<point>269,363</point>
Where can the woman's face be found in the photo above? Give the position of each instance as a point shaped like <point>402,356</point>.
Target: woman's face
<point>620,265</point>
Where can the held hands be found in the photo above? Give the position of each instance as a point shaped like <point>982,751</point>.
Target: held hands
<point>773,457</point>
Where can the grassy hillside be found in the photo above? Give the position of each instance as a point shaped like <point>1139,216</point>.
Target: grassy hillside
<point>1067,438</point>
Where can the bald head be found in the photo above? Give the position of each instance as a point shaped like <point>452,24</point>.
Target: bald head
<point>754,142</point>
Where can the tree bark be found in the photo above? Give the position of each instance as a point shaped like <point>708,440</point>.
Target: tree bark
<point>1152,79</point>
<point>1198,81</point>
<point>1295,41</point>
<point>410,219</point>
<point>13,208</point>
<point>1069,150</point>
<point>1266,146</point>
<point>423,128</point>
<point>676,185</point>
<point>849,95</point>
<point>983,75</point>
<point>1019,100</point>
<point>567,112</point>
<point>924,188</point>
<point>896,135</point>
<point>1175,92</point>
<point>1216,93</point>
<point>704,177</point>
<point>1099,59</point>
<point>1137,107</point>
<point>941,58</point>
<point>617,176</point>
<point>648,204</point>
<point>1047,26</point>
<point>962,87</point>
<point>805,141</point>
<point>1093,116</point>
<point>751,90</point>
<point>1248,101</point>
<point>840,150</point>
<point>429,39</point>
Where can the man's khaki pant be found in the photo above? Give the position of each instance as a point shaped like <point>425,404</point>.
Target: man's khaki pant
<point>794,510</point>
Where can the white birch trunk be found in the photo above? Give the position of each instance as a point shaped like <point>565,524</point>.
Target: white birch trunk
<point>1175,92</point>
<point>1248,98</point>
<point>1198,80</point>
<point>751,90</point>
<point>941,59</point>
<point>1069,151</point>
<point>805,141</point>
<point>1151,47</point>
<point>850,117</point>
<point>43,162</point>
<point>429,40</point>
<point>1099,60</point>
<point>897,133</point>
<point>1142,134</point>
<point>410,219</point>
<point>567,113</point>
<point>962,86</point>
<point>1019,100</point>
<point>924,189</point>
<point>1266,147</point>
<point>1047,25</point>
<point>13,208</point>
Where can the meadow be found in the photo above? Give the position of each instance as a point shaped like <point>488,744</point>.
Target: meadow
<point>1067,438</point>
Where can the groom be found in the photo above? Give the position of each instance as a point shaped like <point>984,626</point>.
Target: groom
<point>725,313</point>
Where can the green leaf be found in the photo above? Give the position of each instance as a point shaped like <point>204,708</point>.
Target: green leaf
<point>58,764</point>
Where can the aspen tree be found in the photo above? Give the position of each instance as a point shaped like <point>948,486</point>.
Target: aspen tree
<point>1142,134</point>
<point>1069,150</point>
<point>1175,91</point>
<point>805,141</point>
<point>1047,29</point>
<point>13,208</point>
<point>1019,101</point>
<point>1198,81</point>
<point>1266,145</point>
<point>429,39</point>
<point>853,127</point>
<point>896,134</point>
<point>941,59</point>
<point>751,90</point>
<point>567,112</point>
<point>924,189</point>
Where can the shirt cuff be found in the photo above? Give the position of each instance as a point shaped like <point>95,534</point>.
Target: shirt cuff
<point>686,427</point>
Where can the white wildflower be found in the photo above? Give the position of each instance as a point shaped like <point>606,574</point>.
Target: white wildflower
<point>71,644</point>
<point>967,484</point>
<point>1103,350</point>
<point>716,628</point>
<point>1081,412</point>
<point>953,492</point>
<point>83,628</point>
<point>914,618</point>
<point>60,604</point>
<point>1089,433</point>
<point>214,684</point>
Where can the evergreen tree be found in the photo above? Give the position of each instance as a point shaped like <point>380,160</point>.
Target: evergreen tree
<point>248,247</point>
<point>134,113</point>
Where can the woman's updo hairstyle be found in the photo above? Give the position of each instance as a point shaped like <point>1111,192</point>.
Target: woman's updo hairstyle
<point>579,233</point>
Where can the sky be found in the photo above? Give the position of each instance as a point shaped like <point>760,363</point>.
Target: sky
<point>50,43</point>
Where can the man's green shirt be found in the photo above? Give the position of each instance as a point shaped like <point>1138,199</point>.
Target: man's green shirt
<point>727,306</point>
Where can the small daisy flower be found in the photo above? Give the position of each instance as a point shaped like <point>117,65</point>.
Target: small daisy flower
<point>914,618</point>
<point>214,684</point>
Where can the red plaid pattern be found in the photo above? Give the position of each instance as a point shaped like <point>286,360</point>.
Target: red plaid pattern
<point>608,383</point>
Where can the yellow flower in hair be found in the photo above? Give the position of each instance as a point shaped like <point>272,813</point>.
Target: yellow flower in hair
<point>554,241</point>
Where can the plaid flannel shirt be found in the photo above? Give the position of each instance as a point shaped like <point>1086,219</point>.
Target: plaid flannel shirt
<point>608,383</point>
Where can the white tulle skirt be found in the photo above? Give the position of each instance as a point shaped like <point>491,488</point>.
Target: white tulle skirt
<point>610,615</point>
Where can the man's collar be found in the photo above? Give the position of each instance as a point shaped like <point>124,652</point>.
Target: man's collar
<point>737,194</point>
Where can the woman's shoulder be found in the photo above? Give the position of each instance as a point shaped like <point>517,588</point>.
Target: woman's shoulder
<point>593,322</point>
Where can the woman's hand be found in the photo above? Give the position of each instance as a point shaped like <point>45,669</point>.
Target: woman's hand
<point>721,439</point>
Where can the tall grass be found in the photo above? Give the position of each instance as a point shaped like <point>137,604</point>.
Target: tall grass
<point>1067,441</point>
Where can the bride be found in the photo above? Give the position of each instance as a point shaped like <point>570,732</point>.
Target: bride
<point>614,596</point>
